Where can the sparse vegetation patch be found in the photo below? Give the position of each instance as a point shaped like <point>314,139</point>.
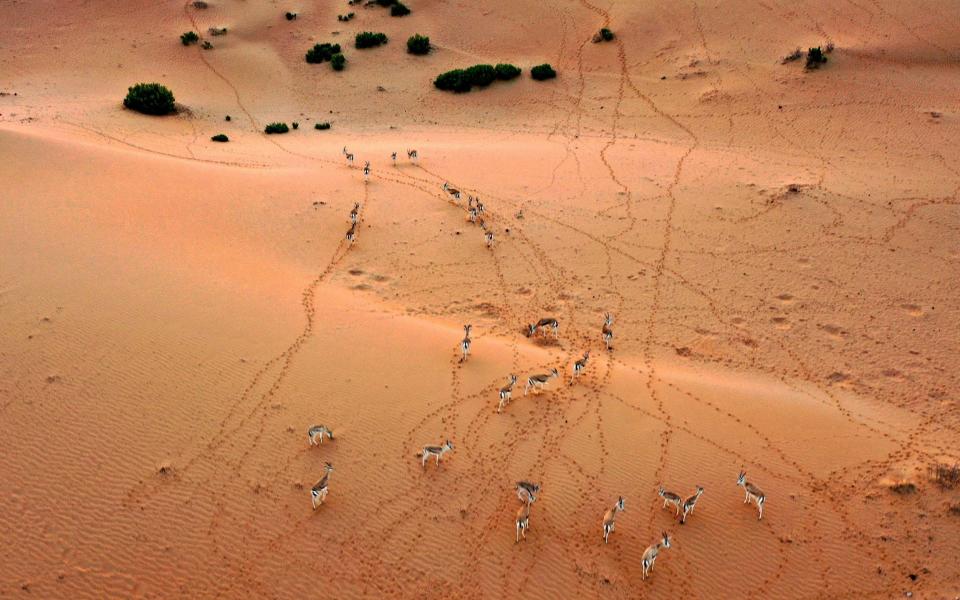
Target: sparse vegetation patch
<point>276,128</point>
<point>604,35</point>
<point>463,80</point>
<point>418,44</point>
<point>338,61</point>
<point>542,72</point>
<point>815,58</point>
<point>369,39</point>
<point>399,9</point>
<point>150,99</point>
<point>506,72</point>
<point>345,18</point>
<point>189,37</point>
<point>322,53</point>
<point>324,125</point>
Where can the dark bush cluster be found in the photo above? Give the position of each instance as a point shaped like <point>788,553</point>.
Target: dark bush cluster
<point>150,99</point>
<point>541,72</point>
<point>324,125</point>
<point>338,61</point>
<point>322,53</point>
<point>295,125</point>
<point>189,37</point>
<point>368,39</point>
<point>345,17</point>
<point>462,80</point>
<point>815,58</point>
<point>418,44</point>
<point>604,35</point>
<point>399,9</point>
<point>276,128</point>
<point>220,138</point>
<point>291,16</point>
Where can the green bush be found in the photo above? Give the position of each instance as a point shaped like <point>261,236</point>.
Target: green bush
<point>277,128</point>
<point>399,10</point>
<point>295,125</point>
<point>453,81</point>
<point>150,99</point>
<point>338,61</point>
<point>418,44</point>
<point>815,58</point>
<point>481,75</point>
<point>506,72</point>
<point>220,138</point>
<point>368,39</point>
<point>189,37</point>
<point>606,35</point>
<point>541,72</point>
<point>322,53</point>
<point>324,125</point>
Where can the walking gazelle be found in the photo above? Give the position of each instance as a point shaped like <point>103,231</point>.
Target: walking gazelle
<point>751,492</point>
<point>349,155</point>
<point>366,171</point>
<point>454,193</point>
<point>610,517</point>
<point>670,498</point>
<point>650,554</point>
<point>488,236</point>
<point>318,432</point>
<point>689,504</point>
<point>465,342</point>
<point>393,157</point>
<point>355,213</point>
<point>539,381</point>
<point>412,155</point>
<point>523,520</point>
<point>437,451</point>
<point>506,392</point>
<point>318,493</point>
<point>527,492</point>
<point>607,331</point>
<point>579,366</point>
<point>546,322</point>
<point>352,233</point>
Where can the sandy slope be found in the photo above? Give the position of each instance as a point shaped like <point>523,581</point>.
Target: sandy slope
<point>779,251</point>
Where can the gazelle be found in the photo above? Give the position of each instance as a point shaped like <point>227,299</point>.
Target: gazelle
<point>355,213</point>
<point>437,451</point>
<point>609,519</point>
<point>366,171</point>
<point>579,366</point>
<point>506,392</point>
<point>352,233</point>
<point>523,521</point>
<point>670,498</point>
<point>318,432</point>
<point>465,342</point>
<point>455,193</point>
<point>539,381</point>
<point>527,492</point>
<point>469,201</point>
<point>349,155</point>
<point>607,331</point>
<point>548,322</point>
<point>412,154</point>
<point>479,206</point>
<point>393,157</point>
<point>472,215</point>
<point>752,492</point>
<point>318,493</point>
<point>689,504</point>
<point>650,554</point>
<point>489,237</point>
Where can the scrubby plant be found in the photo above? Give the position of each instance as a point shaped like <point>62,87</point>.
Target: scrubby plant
<point>338,61</point>
<point>815,58</point>
<point>385,3</point>
<point>220,138</point>
<point>217,31</point>
<point>418,44</point>
<point>206,45</point>
<point>481,75</point>
<point>399,9</point>
<point>542,72</point>
<point>322,53</point>
<point>369,39</point>
<point>604,35</point>
<point>276,128</point>
<point>345,17</point>
<point>797,54</point>
<point>453,81</point>
<point>291,16</point>
<point>295,125</point>
<point>227,118</point>
<point>150,99</point>
<point>324,125</point>
<point>189,37</point>
<point>200,4</point>
<point>506,72</point>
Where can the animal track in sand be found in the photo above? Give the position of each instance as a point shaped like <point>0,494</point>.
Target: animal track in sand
<point>786,298</point>
<point>781,323</point>
<point>912,309</point>
<point>834,331</point>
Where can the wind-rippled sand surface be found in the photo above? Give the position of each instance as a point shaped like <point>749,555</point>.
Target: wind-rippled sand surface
<point>779,251</point>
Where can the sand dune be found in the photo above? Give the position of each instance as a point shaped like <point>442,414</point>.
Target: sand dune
<point>778,250</point>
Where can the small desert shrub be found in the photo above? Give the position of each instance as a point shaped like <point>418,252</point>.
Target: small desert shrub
<point>368,39</point>
<point>453,81</point>
<point>506,72</point>
<point>150,99</point>
<point>903,487</point>
<point>220,138</point>
<point>322,53</point>
<point>541,72</point>
<point>399,10</point>
<point>481,75</point>
<point>295,125</point>
<point>345,17</point>
<point>291,16</point>
<point>200,4</point>
<point>948,476</point>
<point>604,35</point>
<point>795,55</point>
<point>189,37</point>
<point>324,125</point>
<point>815,58</point>
<point>217,31</point>
<point>227,118</point>
<point>206,45</point>
<point>386,3</point>
<point>276,128</point>
<point>418,44</point>
<point>338,61</point>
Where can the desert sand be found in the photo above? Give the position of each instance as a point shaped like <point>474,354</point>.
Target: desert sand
<point>778,248</point>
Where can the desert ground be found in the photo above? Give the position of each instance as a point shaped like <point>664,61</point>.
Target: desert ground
<point>778,249</point>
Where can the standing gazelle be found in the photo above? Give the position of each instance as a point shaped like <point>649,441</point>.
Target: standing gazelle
<point>506,392</point>
<point>546,322</point>
<point>454,193</point>
<point>412,155</point>
<point>437,451</point>
<point>527,492</point>
<point>393,157</point>
<point>609,519</point>
<point>650,554</point>
<point>523,520</point>
<point>488,236</point>
<point>465,342</point>
<point>539,381</point>
<point>355,213</point>
<point>752,492</point>
<point>366,171</point>
<point>670,498</point>
<point>349,155</point>
<point>579,366</point>
<point>318,432</point>
<point>689,504</point>
<point>318,493</point>
<point>607,330</point>
<point>352,233</point>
